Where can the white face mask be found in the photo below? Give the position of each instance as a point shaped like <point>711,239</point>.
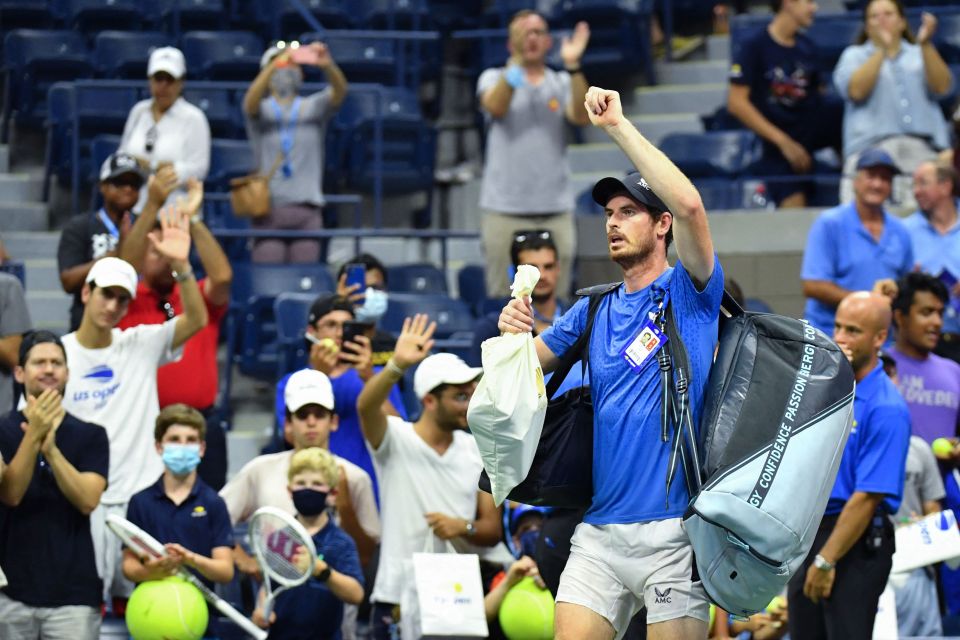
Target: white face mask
<point>374,306</point>
<point>285,82</point>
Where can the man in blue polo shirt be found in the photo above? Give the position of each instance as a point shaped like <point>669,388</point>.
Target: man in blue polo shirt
<point>936,242</point>
<point>852,246</point>
<point>834,595</point>
<point>181,510</point>
<point>56,472</point>
<point>631,551</point>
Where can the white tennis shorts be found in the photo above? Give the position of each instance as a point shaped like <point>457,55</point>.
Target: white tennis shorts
<point>617,569</point>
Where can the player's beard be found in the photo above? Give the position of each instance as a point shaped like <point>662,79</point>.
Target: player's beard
<point>636,254</point>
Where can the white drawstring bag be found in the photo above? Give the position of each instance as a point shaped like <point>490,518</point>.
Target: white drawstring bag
<point>507,409</point>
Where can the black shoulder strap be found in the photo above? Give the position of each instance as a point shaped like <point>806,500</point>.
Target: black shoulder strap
<point>582,344</point>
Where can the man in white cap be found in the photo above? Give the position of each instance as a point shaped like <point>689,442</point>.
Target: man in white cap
<point>428,469</point>
<point>114,381</point>
<point>262,482</point>
<point>166,130</point>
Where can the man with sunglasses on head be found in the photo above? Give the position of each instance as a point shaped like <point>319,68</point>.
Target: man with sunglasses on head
<point>527,107</point>
<point>90,236</point>
<point>114,381</point>
<point>193,379</point>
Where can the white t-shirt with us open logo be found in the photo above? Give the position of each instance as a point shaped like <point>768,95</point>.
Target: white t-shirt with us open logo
<point>116,388</point>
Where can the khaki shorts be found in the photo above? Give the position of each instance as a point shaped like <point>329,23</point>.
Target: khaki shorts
<point>617,569</point>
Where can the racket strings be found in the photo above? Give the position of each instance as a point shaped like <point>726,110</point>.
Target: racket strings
<point>276,545</point>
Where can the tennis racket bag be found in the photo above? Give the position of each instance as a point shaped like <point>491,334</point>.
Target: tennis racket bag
<point>778,408</point>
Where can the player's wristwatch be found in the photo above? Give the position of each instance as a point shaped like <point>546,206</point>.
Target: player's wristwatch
<point>471,529</point>
<point>324,575</point>
<point>821,563</point>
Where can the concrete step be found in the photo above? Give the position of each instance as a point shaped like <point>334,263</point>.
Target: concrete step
<point>20,187</point>
<point>680,98</point>
<point>718,47</point>
<point>597,157</point>
<point>49,309</point>
<point>30,244</point>
<point>699,71</point>
<point>42,274</point>
<point>22,215</point>
<point>4,158</point>
<point>653,126</point>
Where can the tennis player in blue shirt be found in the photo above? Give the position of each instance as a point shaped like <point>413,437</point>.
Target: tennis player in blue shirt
<point>631,549</point>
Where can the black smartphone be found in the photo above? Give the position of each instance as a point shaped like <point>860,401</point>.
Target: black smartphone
<point>352,329</point>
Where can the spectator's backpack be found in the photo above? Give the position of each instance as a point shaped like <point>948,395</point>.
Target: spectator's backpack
<point>778,408</point>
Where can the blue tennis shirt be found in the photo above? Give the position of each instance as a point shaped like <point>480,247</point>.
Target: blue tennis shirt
<point>629,458</point>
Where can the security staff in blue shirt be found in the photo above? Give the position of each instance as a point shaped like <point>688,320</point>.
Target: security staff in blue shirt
<point>834,595</point>
<point>631,550</point>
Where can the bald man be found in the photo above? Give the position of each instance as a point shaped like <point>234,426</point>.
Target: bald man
<point>835,593</point>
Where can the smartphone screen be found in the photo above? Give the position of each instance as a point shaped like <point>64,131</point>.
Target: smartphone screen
<point>357,274</point>
<point>352,329</point>
<point>304,55</point>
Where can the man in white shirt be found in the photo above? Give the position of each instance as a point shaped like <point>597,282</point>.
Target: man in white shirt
<point>309,420</point>
<point>428,469</point>
<point>115,376</point>
<point>165,129</point>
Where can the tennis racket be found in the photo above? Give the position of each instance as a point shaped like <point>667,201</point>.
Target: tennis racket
<point>146,546</point>
<point>276,537</point>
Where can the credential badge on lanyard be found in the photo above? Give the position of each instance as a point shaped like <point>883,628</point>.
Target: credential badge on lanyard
<point>648,342</point>
<point>287,128</point>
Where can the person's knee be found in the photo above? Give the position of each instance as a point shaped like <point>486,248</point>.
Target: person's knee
<point>576,622</point>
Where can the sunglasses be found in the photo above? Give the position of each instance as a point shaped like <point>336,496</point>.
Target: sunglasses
<point>151,139</point>
<point>525,236</point>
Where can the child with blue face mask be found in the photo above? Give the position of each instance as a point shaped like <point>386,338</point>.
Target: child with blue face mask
<point>181,510</point>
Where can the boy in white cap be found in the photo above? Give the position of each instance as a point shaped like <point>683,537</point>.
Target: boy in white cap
<point>114,381</point>
<point>166,130</point>
<point>428,469</point>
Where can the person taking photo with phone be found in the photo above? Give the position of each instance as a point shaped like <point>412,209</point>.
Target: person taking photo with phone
<point>286,132</point>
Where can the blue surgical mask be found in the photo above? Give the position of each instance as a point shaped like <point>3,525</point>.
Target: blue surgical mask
<point>309,502</point>
<point>285,81</point>
<point>374,306</point>
<point>528,543</point>
<point>181,459</point>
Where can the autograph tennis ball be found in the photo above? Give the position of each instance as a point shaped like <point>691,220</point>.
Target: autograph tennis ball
<point>329,344</point>
<point>168,609</point>
<point>942,448</point>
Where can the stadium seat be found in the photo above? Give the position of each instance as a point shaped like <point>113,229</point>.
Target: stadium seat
<point>423,278</point>
<point>16,269</point>
<point>756,304</point>
<point>187,15</point>
<point>395,14</point>
<point>619,34</point>
<point>25,14</point>
<point>217,105</point>
<point>472,285</point>
<point>290,311</point>
<point>714,154</point>
<point>222,55</point>
<point>448,15</point>
<point>91,16</point>
<point>124,54</point>
<point>332,14</point>
<point>499,12</point>
<point>228,159</point>
<point>947,37</point>
<point>584,203</point>
<point>720,193</point>
<point>363,59</point>
<point>33,61</point>
<point>253,328</point>
<point>832,34</point>
<point>451,315</point>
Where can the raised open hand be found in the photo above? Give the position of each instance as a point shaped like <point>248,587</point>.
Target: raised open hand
<point>173,240</point>
<point>572,47</point>
<point>415,341</point>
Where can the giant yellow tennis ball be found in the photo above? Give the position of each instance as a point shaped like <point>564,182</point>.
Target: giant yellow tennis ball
<point>942,448</point>
<point>527,612</point>
<point>168,609</point>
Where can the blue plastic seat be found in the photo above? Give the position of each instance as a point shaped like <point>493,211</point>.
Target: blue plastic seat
<point>91,16</point>
<point>832,34</point>
<point>222,55</point>
<point>25,14</point>
<point>499,12</point>
<point>619,33</point>
<point>720,193</point>
<point>395,14</point>
<point>715,154</point>
<point>584,203</point>
<point>189,15</point>
<point>290,312</point>
<point>362,59</point>
<point>217,105</point>
<point>228,159</point>
<point>472,285</point>
<point>423,278</point>
<point>33,61</point>
<point>451,315</point>
<point>124,54</point>
<point>16,269</point>
<point>947,37</point>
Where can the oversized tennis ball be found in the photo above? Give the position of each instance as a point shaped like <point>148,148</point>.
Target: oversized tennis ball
<point>942,448</point>
<point>328,343</point>
<point>778,603</point>
<point>527,612</point>
<point>168,609</point>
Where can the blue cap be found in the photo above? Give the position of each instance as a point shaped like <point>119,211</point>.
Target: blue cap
<point>877,157</point>
<point>522,510</point>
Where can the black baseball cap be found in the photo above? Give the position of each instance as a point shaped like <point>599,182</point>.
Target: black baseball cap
<point>634,185</point>
<point>120,164</point>
<point>325,304</point>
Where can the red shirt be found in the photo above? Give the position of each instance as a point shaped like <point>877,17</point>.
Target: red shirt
<point>191,380</point>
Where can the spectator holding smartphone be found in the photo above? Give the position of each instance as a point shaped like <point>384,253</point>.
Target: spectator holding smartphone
<point>370,301</point>
<point>165,130</point>
<point>315,609</point>
<point>287,133</point>
<point>349,365</point>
